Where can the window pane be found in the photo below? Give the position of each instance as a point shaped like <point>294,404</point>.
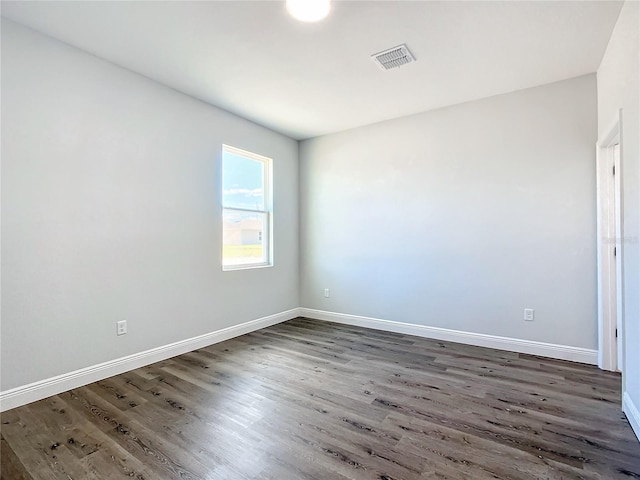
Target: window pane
<point>244,238</point>
<point>242,182</point>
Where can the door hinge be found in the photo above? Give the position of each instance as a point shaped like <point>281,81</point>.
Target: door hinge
<point>615,251</point>
<point>616,333</point>
<point>614,169</point>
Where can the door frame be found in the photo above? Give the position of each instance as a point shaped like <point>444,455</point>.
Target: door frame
<point>610,228</point>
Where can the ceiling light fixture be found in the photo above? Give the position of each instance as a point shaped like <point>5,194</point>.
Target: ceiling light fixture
<point>309,10</point>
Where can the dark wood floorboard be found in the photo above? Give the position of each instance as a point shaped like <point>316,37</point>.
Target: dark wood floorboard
<point>315,400</point>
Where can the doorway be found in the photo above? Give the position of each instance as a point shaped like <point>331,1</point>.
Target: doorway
<point>617,218</point>
<point>610,250</point>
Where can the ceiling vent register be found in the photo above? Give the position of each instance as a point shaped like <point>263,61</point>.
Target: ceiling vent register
<point>393,58</point>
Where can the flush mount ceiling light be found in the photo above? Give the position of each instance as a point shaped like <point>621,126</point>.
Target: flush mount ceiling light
<point>308,10</point>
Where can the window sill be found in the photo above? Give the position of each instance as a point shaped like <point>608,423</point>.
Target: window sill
<point>230,268</point>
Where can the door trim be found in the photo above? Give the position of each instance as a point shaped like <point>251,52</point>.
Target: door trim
<point>609,235</point>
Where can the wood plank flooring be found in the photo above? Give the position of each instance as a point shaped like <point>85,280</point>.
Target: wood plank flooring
<point>315,400</point>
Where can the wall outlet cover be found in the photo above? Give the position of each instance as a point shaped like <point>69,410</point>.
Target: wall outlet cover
<point>121,327</point>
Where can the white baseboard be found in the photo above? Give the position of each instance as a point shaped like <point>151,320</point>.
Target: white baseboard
<point>32,392</point>
<point>22,395</point>
<point>632,413</point>
<point>551,350</point>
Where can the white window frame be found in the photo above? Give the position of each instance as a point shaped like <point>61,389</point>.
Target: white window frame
<point>267,237</point>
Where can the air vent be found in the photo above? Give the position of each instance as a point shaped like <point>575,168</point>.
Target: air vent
<point>393,58</point>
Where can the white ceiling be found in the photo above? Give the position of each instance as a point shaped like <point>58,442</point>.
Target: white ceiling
<point>306,80</point>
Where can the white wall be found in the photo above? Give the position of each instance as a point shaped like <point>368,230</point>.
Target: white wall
<point>461,217</point>
<point>111,210</point>
<point>619,87</point>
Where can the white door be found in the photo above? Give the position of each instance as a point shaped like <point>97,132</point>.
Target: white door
<point>610,227</point>
<point>615,150</point>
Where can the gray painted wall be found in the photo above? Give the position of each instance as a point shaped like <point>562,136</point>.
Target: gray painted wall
<point>619,87</point>
<point>460,218</point>
<point>111,210</point>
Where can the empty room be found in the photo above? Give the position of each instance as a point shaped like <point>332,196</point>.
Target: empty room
<point>320,239</point>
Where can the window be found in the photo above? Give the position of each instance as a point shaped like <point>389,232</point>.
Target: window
<point>246,209</point>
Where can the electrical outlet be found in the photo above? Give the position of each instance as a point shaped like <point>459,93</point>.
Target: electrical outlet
<point>121,327</point>
<point>529,314</point>
<point>327,293</point>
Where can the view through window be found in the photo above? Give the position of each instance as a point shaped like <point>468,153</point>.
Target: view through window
<point>246,212</point>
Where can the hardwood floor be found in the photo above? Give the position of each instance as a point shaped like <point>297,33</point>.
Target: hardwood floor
<point>306,399</point>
